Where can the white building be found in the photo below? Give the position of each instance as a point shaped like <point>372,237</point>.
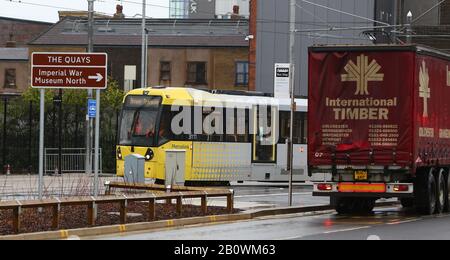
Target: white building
<point>208,9</point>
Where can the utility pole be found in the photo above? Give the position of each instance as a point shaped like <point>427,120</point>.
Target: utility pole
<point>292,90</point>
<point>144,48</point>
<point>89,121</point>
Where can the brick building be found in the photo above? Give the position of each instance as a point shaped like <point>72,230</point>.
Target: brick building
<point>210,54</point>
<point>14,70</point>
<point>17,32</point>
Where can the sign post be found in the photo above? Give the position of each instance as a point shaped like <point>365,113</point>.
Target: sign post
<point>92,108</point>
<point>282,80</point>
<point>68,71</point>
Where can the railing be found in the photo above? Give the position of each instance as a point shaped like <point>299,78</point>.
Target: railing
<point>73,160</point>
<point>154,187</point>
<point>91,202</point>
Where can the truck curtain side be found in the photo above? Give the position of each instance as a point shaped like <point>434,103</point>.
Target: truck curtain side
<point>379,126</point>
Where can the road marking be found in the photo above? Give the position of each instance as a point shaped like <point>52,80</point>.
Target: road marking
<point>170,223</point>
<point>346,230</point>
<point>212,218</point>
<point>272,195</point>
<point>122,228</point>
<point>373,237</point>
<point>290,238</point>
<point>64,233</point>
<point>403,221</point>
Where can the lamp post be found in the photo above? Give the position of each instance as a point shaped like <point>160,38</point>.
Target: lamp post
<point>409,17</point>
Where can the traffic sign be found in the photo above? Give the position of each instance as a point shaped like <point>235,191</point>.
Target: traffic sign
<point>92,108</point>
<point>69,70</point>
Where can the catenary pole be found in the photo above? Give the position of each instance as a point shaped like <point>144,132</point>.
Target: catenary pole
<point>290,157</point>
<point>144,47</point>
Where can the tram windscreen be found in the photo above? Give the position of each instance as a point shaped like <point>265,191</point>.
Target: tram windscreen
<point>138,122</point>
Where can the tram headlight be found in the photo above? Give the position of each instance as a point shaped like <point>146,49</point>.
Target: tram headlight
<point>119,154</point>
<point>149,154</point>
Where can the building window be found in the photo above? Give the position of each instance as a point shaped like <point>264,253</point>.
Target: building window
<point>242,73</point>
<point>10,78</point>
<point>164,71</point>
<point>196,73</point>
<point>179,9</point>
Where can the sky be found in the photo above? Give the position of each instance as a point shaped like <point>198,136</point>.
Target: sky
<point>47,10</point>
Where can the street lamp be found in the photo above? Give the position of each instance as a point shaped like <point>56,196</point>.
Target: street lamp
<point>409,17</point>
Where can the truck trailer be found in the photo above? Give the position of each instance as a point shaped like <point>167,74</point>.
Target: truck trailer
<point>379,126</point>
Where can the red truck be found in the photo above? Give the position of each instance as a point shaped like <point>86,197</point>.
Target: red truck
<point>379,126</point>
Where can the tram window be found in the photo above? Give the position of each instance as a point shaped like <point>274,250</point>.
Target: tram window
<point>213,127</point>
<point>263,150</point>
<point>300,127</point>
<point>165,132</point>
<point>138,127</point>
<point>138,121</point>
<point>284,127</point>
<point>305,129</point>
<point>236,125</point>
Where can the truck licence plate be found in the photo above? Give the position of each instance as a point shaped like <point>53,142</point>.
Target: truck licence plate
<point>361,176</point>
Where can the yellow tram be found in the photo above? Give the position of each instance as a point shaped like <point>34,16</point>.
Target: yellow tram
<point>222,138</point>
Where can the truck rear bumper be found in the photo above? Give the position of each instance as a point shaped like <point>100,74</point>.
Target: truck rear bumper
<point>354,189</point>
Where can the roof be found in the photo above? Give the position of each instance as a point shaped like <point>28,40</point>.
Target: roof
<point>19,54</point>
<point>24,21</point>
<point>422,49</point>
<point>161,32</point>
<point>195,96</point>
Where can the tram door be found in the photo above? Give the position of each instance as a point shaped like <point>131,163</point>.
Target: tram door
<point>175,167</point>
<point>265,134</point>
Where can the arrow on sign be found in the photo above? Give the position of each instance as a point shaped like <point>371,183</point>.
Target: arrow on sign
<point>97,77</point>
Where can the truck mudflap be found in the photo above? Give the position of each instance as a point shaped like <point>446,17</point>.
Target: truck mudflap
<point>359,189</point>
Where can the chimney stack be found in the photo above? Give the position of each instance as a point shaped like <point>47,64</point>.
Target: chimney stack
<point>236,9</point>
<point>235,14</point>
<point>119,12</point>
<point>11,43</point>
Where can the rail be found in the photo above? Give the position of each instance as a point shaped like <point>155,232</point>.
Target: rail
<point>153,187</point>
<point>91,202</point>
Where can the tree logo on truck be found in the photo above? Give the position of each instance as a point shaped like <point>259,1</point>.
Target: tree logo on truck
<point>362,73</point>
<point>424,90</point>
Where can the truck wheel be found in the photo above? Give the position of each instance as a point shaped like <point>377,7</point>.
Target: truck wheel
<point>345,206</point>
<point>367,206</point>
<point>407,203</point>
<point>425,192</point>
<point>441,192</point>
<point>447,199</point>
<point>341,205</point>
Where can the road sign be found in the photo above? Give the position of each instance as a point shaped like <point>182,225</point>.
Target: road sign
<point>92,108</point>
<point>281,83</point>
<point>69,70</point>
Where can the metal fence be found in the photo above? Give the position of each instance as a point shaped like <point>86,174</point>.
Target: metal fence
<point>57,203</point>
<point>73,160</point>
<point>19,135</point>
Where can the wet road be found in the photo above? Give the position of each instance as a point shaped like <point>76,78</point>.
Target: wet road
<point>385,223</point>
<point>257,197</point>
